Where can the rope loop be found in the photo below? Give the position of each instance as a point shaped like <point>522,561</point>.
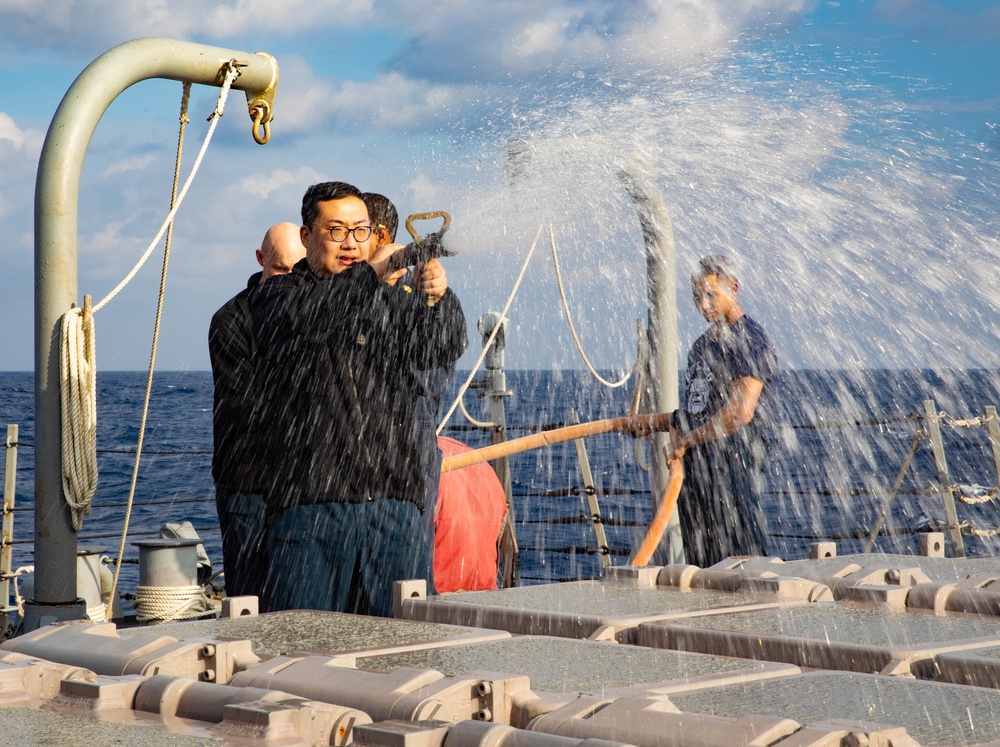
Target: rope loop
<point>971,531</point>
<point>572,327</point>
<point>492,337</point>
<point>949,421</point>
<point>974,495</point>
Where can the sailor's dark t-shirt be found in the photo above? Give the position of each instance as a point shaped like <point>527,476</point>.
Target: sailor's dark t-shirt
<point>743,349</point>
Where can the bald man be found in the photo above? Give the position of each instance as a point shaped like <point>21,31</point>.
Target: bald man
<point>279,251</point>
<point>237,469</point>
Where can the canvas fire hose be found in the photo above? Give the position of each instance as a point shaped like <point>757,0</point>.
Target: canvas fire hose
<point>632,425</point>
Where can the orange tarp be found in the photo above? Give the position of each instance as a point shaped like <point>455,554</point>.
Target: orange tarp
<point>470,510</point>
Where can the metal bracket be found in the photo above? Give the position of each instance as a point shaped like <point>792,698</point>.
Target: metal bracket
<point>260,105</point>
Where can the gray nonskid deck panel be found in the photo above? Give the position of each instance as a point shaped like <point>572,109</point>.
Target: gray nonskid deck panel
<point>322,632</point>
<point>578,609</point>
<point>566,665</point>
<point>853,624</point>
<point>28,727</point>
<point>938,569</point>
<point>934,714</point>
<point>595,599</point>
<point>827,635</point>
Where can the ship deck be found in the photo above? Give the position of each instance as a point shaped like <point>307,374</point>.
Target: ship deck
<point>828,651</point>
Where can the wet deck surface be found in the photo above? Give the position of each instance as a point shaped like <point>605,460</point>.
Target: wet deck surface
<point>326,632</point>
<point>834,622</point>
<point>26,727</point>
<point>938,569</point>
<point>560,665</point>
<point>699,683</point>
<point>596,599</point>
<point>933,713</point>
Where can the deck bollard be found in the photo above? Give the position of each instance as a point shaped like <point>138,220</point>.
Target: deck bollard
<point>819,550</point>
<point>930,544</point>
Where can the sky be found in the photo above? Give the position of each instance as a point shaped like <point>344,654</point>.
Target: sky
<point>845,154</point>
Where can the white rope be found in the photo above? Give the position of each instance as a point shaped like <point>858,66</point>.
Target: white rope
<point>99,613</point>
<point>78,404</point>
<point>231,76</point>
<point>485,424</point>
<point>496,330</point>
<point>165,603</point>
<point>572,328</point>
<point>18,599</point>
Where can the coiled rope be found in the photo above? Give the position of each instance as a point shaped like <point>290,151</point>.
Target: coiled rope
<point>78,362</point>
<point>572,327</point>
<point>78,406</point>
<point>165,603</point>
<point>493,334</point>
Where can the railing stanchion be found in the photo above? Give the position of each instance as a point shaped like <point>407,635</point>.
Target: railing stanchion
<point>600,536</point>
<point>993,427</point>
<point>932,422</point>
<point>9,491</point>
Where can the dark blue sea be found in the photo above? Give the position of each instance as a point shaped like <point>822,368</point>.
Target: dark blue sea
<point>822,482</point>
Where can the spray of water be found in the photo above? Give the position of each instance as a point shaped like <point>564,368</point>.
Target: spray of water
<point>864,229</point>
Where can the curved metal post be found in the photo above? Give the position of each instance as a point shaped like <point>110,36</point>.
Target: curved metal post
<point>56,194</point>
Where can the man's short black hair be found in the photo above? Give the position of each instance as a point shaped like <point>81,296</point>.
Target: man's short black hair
<point>323,192</point>
<point>381,212</point>
<point>715,264</point>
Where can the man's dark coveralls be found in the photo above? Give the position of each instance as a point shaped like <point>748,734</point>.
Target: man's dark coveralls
<point>237,468</point>
<point>335,357</point>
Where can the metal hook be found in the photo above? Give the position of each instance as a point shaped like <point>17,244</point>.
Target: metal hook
<point>260,129</point>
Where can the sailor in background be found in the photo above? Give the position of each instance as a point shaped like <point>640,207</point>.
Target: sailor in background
<point>238,469</point>
<point>721,433</point>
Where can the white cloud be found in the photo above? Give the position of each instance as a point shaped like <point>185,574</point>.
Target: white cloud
<point>261,186</point>
<point>30,140</point>
<point>136,163</point>
<point>481,40</point>
<point>84,24</point>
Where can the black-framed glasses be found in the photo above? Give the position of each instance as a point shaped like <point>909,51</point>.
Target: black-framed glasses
<point>340,233</point>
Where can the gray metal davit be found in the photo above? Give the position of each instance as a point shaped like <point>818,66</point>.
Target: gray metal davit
<point>56,203</point>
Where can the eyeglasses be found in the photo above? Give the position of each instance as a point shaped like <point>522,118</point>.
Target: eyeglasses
<point>340,233</point>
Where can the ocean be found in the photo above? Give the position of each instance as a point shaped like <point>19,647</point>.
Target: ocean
<point>822,482</point>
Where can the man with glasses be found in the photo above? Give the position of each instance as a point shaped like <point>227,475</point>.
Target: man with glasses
<point>336,349</point>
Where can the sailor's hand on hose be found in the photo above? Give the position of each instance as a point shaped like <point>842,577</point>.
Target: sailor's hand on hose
<point>380,263</point>
<point>678,446</point>
<point>432,280</point>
